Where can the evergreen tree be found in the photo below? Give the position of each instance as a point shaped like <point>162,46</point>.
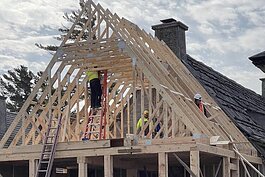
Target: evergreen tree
<point>16,85</point>
<point>64,30</point>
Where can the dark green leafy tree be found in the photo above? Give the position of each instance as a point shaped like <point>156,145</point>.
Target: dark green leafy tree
<point>64,30</point>
<point>16,85</point>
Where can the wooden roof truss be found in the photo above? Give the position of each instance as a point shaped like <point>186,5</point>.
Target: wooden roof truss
<point>143,73</point>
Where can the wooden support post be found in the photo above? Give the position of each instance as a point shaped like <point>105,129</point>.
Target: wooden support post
<point>50,93</point>
<point>86,100</point>
<point>108,166</point>
<point>98,20</point>
<point>107,120</point>
<point>89,21</point>
<point>174,121</point>
<point>131,173</point>
<point>32,167</point>
<point>245,160</point>
<point>142,92</point>
<point>134,99</point>
<point>69,96</point>
<point>115,119</point>
<point>226,167</point>
<point>128,115</point>
<point>122,117</point>
<point>141,79</point>
<point>23,130</point>
<point>163,164</point>
<point>235,170</point>
<point>157,101</point>
<point>77,125</point>
<point>186,167</point>
<point>165,120</point>
<point>195,162</point>
<point>150,103</point>
<point>82,166</point>
<point>59,90</point>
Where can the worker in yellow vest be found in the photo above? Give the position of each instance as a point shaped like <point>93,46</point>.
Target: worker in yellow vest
<point>140,124</point>
<point>95,87</point>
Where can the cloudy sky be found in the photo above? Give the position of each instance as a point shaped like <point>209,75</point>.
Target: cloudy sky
<point>222,34</point>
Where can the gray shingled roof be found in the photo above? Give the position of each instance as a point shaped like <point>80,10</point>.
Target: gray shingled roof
<point>243,106</point>
<point>2,116</point>
<point>6,118</point>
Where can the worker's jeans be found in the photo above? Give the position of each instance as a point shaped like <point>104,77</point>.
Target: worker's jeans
<point>96,93</point>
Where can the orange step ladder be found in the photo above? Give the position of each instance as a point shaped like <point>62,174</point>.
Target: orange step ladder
<point>96,124</point>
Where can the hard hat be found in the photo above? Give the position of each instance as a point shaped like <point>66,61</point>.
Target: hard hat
<point>146,112</point>
<point>197,96</point>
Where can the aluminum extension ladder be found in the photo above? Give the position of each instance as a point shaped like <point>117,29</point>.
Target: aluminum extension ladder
<point>49,147</point>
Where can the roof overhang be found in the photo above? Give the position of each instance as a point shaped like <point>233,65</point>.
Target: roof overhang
<point>259,60</point>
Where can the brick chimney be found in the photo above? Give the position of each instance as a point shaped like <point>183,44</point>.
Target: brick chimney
<point>172,32</point>
<point>2,116</point>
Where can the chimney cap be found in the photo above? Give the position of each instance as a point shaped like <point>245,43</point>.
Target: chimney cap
<point>168,20</point>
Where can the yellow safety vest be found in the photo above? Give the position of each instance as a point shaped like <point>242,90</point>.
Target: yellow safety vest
<point>91,75</point>
<point>140,124</point>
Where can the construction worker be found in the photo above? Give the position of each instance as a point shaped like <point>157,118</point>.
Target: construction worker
<point>140,124</point>
<point>157,128</point>
<point>96,91</point>
<point>199,103</point>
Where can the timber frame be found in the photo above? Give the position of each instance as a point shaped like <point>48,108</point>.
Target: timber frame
<point>143,73</point>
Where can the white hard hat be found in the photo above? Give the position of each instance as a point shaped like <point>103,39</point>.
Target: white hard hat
<point>197,96</point>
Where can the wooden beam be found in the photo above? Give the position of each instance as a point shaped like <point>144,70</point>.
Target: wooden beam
<point>134,100</point>
<point>234,167</point>
<point>245,160</point>
<point>226,167</point>
<point>82,166</point>
<point>218,169</point>
<point>32,167</point>
<point>226,153</point>
<point>108,166</point>
<point>90,148</point>
<point>186,167</point>
<point>195,162</point>
<point>162,164</point>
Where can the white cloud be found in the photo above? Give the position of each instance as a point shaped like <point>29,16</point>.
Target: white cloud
<point>221,33</point>
<point>9,62</point>
<point>25,23</point>
<point>252,39</point>
<point>25,46</point>
<point>245,76</point>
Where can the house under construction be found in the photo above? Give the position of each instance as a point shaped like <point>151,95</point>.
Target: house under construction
<point>55,134</point>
